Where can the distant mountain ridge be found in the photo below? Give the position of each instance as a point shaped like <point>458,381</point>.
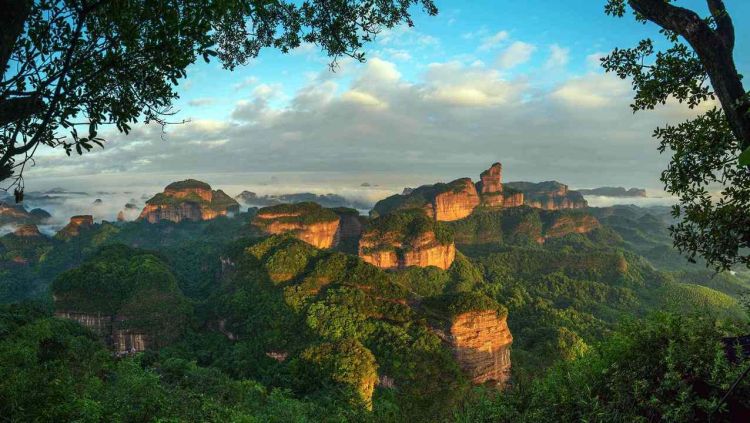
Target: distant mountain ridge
<point>614,192</point>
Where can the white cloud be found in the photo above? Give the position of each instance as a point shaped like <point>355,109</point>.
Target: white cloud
<point>247,82</point>
<point>450,121</point>
<point>558,56</point>
<point>593,60</point>
<point>363,98</point>
<point>592,91</point>
<point>493,41</point>
<point>516,54</point>
<point>204,101</point>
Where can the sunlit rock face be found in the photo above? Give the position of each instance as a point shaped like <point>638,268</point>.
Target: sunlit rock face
<point>27,231</point>
<point>188,200</point>
<point>490,186</point>
<point>308,222</point>
<point>401,240</point>
<point>454,203</point>
<point>16,214</point>
<point>425,251</point>
<point>550,195</point>
<point>441,202</point>
<point>559,225</point>
<point>76,225</point>
<point>481,344</point>
<point>512,198</point>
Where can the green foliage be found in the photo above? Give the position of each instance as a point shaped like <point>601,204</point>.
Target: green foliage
<point>706,151</point>
<point>54,370</point>
<point>665,368</point>
<point>110,62</point>
<point>305,213</point>
<point>404,228</point>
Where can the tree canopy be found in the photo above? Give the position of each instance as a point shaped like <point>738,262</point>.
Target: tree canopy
<point>707,152</point>
<point>74,64</point>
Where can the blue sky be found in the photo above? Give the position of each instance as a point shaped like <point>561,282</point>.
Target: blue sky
<point>484,81</point>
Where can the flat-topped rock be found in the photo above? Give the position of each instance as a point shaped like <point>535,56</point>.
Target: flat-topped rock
<point>308,222</point>
<point>405,239</point>
<point>188,200</point>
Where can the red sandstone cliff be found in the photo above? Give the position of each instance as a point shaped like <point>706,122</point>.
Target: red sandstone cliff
<point>76,224</point>
<point>481,344</point>
<point>398,241</point>
<point>188,200</point>
<point>308,222</point>
<point>454,203</point>
<point>562,224</point>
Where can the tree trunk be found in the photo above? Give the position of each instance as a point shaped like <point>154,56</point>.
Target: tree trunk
<point>715,50</point>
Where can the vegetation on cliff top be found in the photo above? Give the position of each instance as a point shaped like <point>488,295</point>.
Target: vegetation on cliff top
<point>418,198</point>
<point>307,213</point>
<point>404,227</point>
<point>188,184</point>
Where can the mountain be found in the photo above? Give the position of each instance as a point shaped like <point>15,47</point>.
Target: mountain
<point>326,200</point>
<point>421,312</point>
<point>458,199</point>
<point>614,192</point>
<point>188,200</point>
<point>16,214</point>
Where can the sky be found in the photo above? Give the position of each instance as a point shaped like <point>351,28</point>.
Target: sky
<point>484,81</point>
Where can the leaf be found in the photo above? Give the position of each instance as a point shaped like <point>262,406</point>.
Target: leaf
<point>745,157</point>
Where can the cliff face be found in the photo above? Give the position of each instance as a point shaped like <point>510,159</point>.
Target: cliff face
<point>400,240</point>
<point>27,231</point>
<point>121,341</point>
<point>15,214</point>
<point>76,225</point>
<point>550,195</point>
<point>512,198</point>
<point>441,202</point>
<point>425,251</point>
<point>308,222</point>
<point>188,200</point>
<point>490,186</point>
<point>562,224</point>
<point>455,203</point>
<point>481,344</point>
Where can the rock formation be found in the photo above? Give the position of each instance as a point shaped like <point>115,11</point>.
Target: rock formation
<point>481,344</point>
<point>27,231</point>
<point>188,200</point>
<point>325,200</point>
<point>442,202</point>
<point>76,225</point>
<point>490,186</point>
<point>559,224</point>
<point>308,222</point>
<point>550,195</point>
<point>16,214</point>
<point>458,199</point>
<point>454,203</point>
<point>404,239</point>
<point>122,341</point>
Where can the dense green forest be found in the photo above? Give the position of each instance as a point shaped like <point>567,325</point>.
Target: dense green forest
<point>607,325</point>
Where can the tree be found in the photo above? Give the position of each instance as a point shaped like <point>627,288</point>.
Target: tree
<point>86,63</point>
<point>708,150</point>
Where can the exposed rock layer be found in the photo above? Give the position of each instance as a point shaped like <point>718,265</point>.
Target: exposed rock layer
<point>122,341</point>
<point>76,224</point>
<point>188,200</point>
<point>308,222</point>
<point>481,344</point>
